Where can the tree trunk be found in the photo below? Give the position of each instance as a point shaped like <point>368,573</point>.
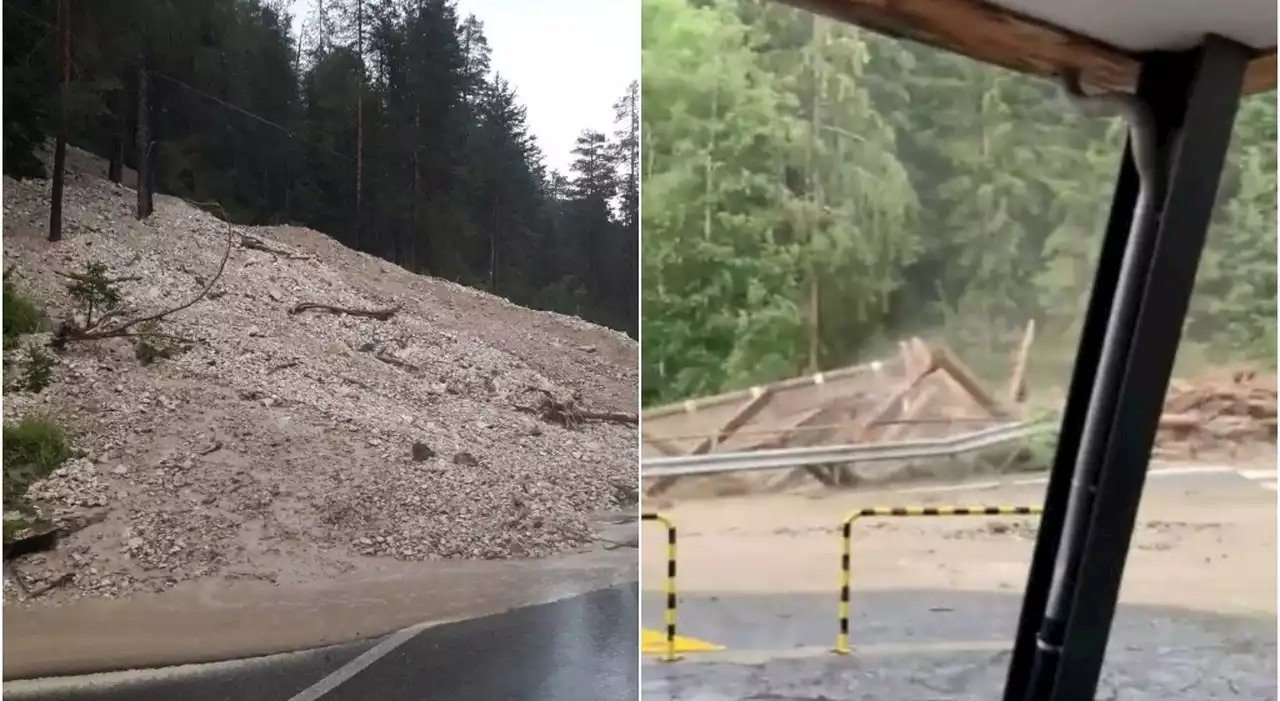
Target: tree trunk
<point>359,114</point>
<point>417,164</point>
<point>815,197</point>
<point>142,144</point>
<point>60,145</point>
<point>119,106</point>
<point>493,248</point>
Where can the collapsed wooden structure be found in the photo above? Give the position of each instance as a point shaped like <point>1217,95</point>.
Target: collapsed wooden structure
<point>924,392</point>
<point>927,392</point>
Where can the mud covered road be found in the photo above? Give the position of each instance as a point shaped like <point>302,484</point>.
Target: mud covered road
<point>549,652</point>
<point>935,601</point>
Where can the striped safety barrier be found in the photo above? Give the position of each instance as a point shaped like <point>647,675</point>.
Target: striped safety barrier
<point>846,543</point>
<point>669,611</point>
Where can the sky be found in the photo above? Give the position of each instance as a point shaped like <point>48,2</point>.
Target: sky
<point>569,61</point>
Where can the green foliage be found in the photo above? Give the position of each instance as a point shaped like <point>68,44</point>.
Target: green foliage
<point>21,315</point>
<point>37,371</point>
<point>382,125</point>
<point>790,160</point>
<point>94,291</point>
<point>33,448</point>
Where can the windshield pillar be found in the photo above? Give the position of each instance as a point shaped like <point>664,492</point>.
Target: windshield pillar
<point>1128,344</point>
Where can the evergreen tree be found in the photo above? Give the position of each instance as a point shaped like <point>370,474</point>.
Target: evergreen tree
<point>383,125</point>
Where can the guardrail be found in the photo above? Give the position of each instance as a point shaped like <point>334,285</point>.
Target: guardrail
<point>821,455</point>
<point>669,611</point>
<point>846,544</point>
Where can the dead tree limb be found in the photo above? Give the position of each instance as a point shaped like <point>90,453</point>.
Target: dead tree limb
<point>69,331</point>
<point>81,277</point>
<point>567,413</point>
<point>390,359</point>
<point>253,243</point>
<point>617,417</point>
<point>379,314</point>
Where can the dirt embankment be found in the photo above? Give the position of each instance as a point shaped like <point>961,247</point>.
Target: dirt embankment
<point>288,446</point>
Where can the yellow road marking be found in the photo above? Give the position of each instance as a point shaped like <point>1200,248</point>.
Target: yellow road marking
<point>654,642</point>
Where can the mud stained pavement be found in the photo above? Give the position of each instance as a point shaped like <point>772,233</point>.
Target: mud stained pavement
<point>935,645</point>
<point>584,646</point>
<point>935,601</point>
<point>219,622</point>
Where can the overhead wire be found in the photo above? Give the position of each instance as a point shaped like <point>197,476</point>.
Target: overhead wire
<point>229,105</point>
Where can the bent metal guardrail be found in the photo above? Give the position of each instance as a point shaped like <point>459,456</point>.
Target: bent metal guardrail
<point>669,610</point>
<point>821,455</point>
<point>846,544</point>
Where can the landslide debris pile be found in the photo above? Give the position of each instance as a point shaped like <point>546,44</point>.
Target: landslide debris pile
<point>276,445</point>
<point>1219,414</point>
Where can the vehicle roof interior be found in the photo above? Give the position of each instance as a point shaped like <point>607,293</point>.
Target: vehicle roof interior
<point>1100,38</point>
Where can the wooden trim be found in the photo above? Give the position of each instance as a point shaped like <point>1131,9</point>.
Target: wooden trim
<point>994,35</point>
<point>1261,74</point>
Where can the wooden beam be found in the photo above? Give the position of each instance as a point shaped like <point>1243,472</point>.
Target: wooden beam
<point>1001,37</point>
<point>662,445</point>
<point>744,414</point>
<point>969,384</point>
<point>1018,376</point>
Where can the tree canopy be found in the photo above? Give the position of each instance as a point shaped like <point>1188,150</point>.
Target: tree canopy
<point>813,191</point>
<point>383,125</point>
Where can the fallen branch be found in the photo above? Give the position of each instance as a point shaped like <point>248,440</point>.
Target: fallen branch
<point>81,277</point>
<point>254,243</point>
<point>390,359</point>
<point>62,579</point>
<point>616,417</point>
<point>567,413</point>
<point>379,314</point>
<point>69,331</point>
<point>283,366</point>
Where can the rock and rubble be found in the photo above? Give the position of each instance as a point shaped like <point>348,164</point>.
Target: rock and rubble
<point>292,445</point>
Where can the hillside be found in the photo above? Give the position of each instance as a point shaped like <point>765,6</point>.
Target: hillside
<point>287,446</point>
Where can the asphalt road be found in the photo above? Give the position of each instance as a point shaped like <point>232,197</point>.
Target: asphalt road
<point>937,644</point>
<point>577,648</point>
<point>945,646</point>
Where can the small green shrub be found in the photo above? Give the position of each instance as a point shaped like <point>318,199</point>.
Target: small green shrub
<point>95,292</point>
<point>37,373</point>
<point>33,448</point>
<point>21,315</point>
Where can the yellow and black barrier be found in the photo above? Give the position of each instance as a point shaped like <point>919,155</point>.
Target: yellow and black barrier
<point>669,611</point>
<point>846,543</point>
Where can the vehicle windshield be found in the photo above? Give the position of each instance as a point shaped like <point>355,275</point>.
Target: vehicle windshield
<point>867,265</point>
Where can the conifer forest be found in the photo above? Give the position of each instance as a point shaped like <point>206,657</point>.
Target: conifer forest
<point>813,192</point>
<point>382,123</point>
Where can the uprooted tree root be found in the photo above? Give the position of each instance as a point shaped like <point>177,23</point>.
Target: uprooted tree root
<point>108,325</point>
<point>379,314</point>
<point>566,412</point>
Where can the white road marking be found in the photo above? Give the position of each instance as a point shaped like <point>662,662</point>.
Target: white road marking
<point>1263,478</point>
<point>388,645</point>
<point>1156,472</point>
<point>344,673</point>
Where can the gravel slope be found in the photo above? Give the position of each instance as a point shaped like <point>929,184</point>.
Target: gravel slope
<point>282,446</point>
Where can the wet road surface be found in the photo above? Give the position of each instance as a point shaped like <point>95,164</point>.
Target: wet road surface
<point>576,648</point>
<point>214,621</point>
<point>940,645</point>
